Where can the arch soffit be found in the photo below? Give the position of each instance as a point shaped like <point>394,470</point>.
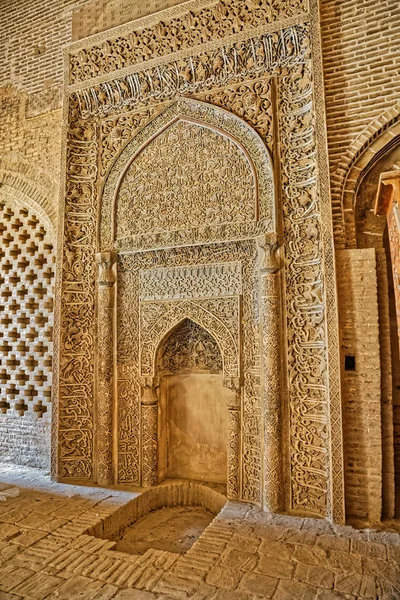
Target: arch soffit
<point>355,164</point>
<point>205,115</point>
<point>211,323</point>
<point>31,187</point>
<point>24,195</point>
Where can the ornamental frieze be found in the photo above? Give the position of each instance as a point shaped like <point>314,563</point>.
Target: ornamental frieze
<point>198,26</point>
<point>219,67</point>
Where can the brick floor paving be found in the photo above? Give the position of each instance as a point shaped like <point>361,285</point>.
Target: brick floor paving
<point>244,554</point>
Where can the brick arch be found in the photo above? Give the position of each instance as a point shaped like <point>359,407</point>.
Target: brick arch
<point>351,168</point>
<point>20,181</point>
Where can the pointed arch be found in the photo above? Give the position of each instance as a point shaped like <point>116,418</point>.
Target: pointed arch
<point>225,125</point>
<point>153,337</point>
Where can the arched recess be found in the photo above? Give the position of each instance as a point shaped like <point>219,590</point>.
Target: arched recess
<point>192,405</point>
<point>351,169</point>
<point>228,127</point>
<point>21,180</point>
<point>227,341</point>
<point>228,346</point>
<point>371,405</point>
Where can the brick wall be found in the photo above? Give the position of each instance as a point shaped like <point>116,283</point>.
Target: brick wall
<point>385,346</point>
<point>361,387</point>
<point>99,15</point>
<point>361,48</point>
<point>30,53</point>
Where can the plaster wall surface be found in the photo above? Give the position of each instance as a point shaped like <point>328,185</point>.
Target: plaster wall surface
<point>197,426</point>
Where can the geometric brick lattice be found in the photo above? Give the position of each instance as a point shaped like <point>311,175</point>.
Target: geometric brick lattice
<point>26,312</point>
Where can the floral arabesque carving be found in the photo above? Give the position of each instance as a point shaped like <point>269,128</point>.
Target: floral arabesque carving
<point>115,133</point>
<point>219,316</point>
<point>193,29</point>
<point>189,347</point>
<point>199,178</point>
<point>225,123</point>
<point>202,281</point>
<point>249,100</point>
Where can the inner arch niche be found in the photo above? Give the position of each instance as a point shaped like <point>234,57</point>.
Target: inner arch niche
<point>193,420</point>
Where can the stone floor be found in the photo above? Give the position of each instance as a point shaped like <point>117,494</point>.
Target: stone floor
<point>172,529</point>
<point>244,554</point>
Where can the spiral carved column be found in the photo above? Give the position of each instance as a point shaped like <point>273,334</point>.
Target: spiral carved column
<point>149,406</point>
<point>106,282</point>
<point>270,314</point>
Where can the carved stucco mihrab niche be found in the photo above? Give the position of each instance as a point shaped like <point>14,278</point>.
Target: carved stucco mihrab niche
<point>172,246</point>
<point>191,348</point>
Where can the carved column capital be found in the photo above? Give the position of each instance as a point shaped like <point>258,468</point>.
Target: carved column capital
<point>270,254</point>
<point>149,390</point>
<point>106,271</point>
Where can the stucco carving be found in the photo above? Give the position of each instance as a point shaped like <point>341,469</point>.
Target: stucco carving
<point>137,48</point>
<point>170,312</point>
<point>76,332</point>
<point>216,119</point>
<point>307,350</point>
<point>106,281</point>
<point>153,90</point>
<point>116,132</point>
<point>199,178</point>
<point>189,347</point>
<point>216,68</point>
<point>200,281</point>
<point>249,100</point>
<point>219,316</point>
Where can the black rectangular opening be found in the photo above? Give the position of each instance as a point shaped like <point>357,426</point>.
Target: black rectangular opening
<point>349,363</point>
